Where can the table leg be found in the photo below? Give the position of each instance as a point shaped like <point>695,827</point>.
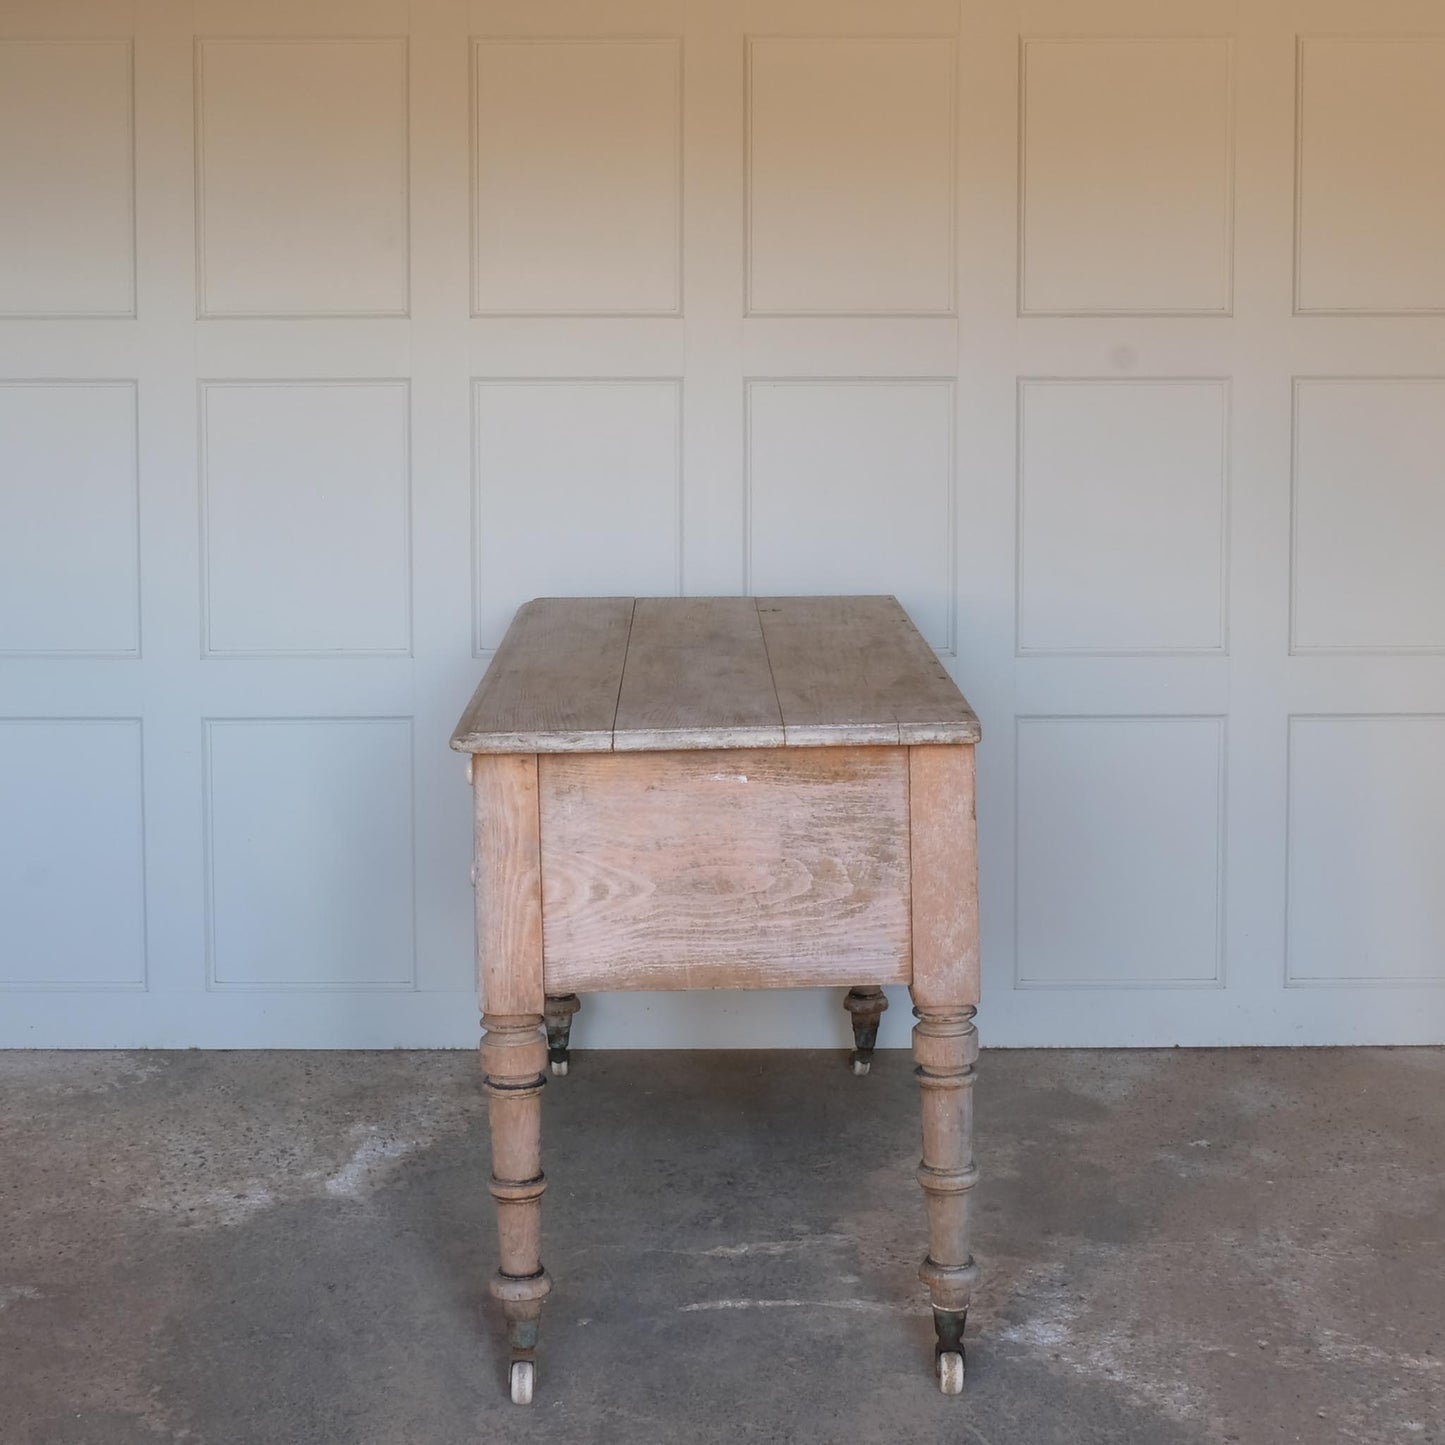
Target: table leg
<point>866,1005</point>
<point>945,1046</point>
<point>514,1054</point>
<point>560,1008</point>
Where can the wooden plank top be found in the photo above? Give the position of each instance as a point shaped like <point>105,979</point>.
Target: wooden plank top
<point>601,674</point>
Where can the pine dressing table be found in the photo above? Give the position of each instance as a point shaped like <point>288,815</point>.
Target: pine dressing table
<point>725,792</point>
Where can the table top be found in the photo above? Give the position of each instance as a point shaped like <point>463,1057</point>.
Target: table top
<point>601,674</point>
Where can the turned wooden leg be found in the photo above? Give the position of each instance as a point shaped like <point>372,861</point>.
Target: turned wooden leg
<point>945,1046</point>
<point>560,1008</point>
<point>513,1056</point>
<point>866,1005</point>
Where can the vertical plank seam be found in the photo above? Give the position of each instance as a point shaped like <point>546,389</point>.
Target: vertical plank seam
<point>541,880</point>
<point>772,680</point>
<point>908,831</point>
<point>616,702</point>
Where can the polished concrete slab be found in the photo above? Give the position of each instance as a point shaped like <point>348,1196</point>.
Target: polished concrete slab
<point>1177,1247</point>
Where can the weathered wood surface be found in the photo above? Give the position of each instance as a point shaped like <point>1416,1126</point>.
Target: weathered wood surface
<point>725,869</point>
<point>944,864</point>
<point>553,682</point>
<point>945,1048</point>
<point>856,670</point>
<point>696,676</point>
<point>724,793</point>
<point>508,893</point>
<point>618,674</point>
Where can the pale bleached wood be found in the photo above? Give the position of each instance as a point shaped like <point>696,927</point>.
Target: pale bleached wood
<point>944,854</point>
<point>856,670</point>
<point>508,884</point>
<point>514,1054</point>
<point>945,1048</point>
<point>696,676</point>
<point>944,865</point>
<point>552,685</point>
<point>514,1050</point>
<point>595,674</point>
<point>636,856</point>
<point>725,869</point>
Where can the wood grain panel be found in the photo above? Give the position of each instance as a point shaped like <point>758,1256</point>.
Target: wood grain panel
<point>855,670</point>
<point>725,869</point>
<point>509,898</point>
<point>945,876</point>
<point>552,685</point>
<point>697,676</point>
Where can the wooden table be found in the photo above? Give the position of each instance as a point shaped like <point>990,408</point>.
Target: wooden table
<point>722,792</point>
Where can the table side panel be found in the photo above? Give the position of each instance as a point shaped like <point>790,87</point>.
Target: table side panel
<point>944,851</point>
<point>725,869</point>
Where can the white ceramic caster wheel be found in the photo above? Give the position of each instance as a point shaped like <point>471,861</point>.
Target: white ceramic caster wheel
<point>524,1375</point>
<point>950,1373</point>
<point>861,1066</point>
<point>559,1068</point>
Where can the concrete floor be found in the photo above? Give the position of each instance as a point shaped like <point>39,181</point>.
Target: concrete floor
<point>250,1249</point>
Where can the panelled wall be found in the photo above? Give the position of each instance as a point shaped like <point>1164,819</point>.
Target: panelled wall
<point>1107,334</point>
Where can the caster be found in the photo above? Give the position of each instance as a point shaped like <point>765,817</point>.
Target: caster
<point>524,1376</point>
<point>950,1373</point>
<point>558,1012</point>
<point>865,1006</point>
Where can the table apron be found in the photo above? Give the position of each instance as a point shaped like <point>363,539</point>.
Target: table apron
<point>735,868</point>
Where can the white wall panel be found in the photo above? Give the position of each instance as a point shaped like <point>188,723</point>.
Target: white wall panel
<point>850,489</point>
<point>1366,850</point>
<point>578,179</point>
<point>1369,515</point>
<point>1122,503</point>
<point>1371,229</point>
<point>301,164</point>
<point>67,178</point>
<point>850,157</point>
<point>1105,334</point>
<point>72,854</point>
<point>577,492</point>
<point>306,504</point>
<point>69,561</point>
<point>309,852</point>
<point>1126,166</point>
<point>1120,839</point>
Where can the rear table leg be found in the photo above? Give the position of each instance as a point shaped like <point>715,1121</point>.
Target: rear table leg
<point>559,1010</point>
<point>866,1004</point>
